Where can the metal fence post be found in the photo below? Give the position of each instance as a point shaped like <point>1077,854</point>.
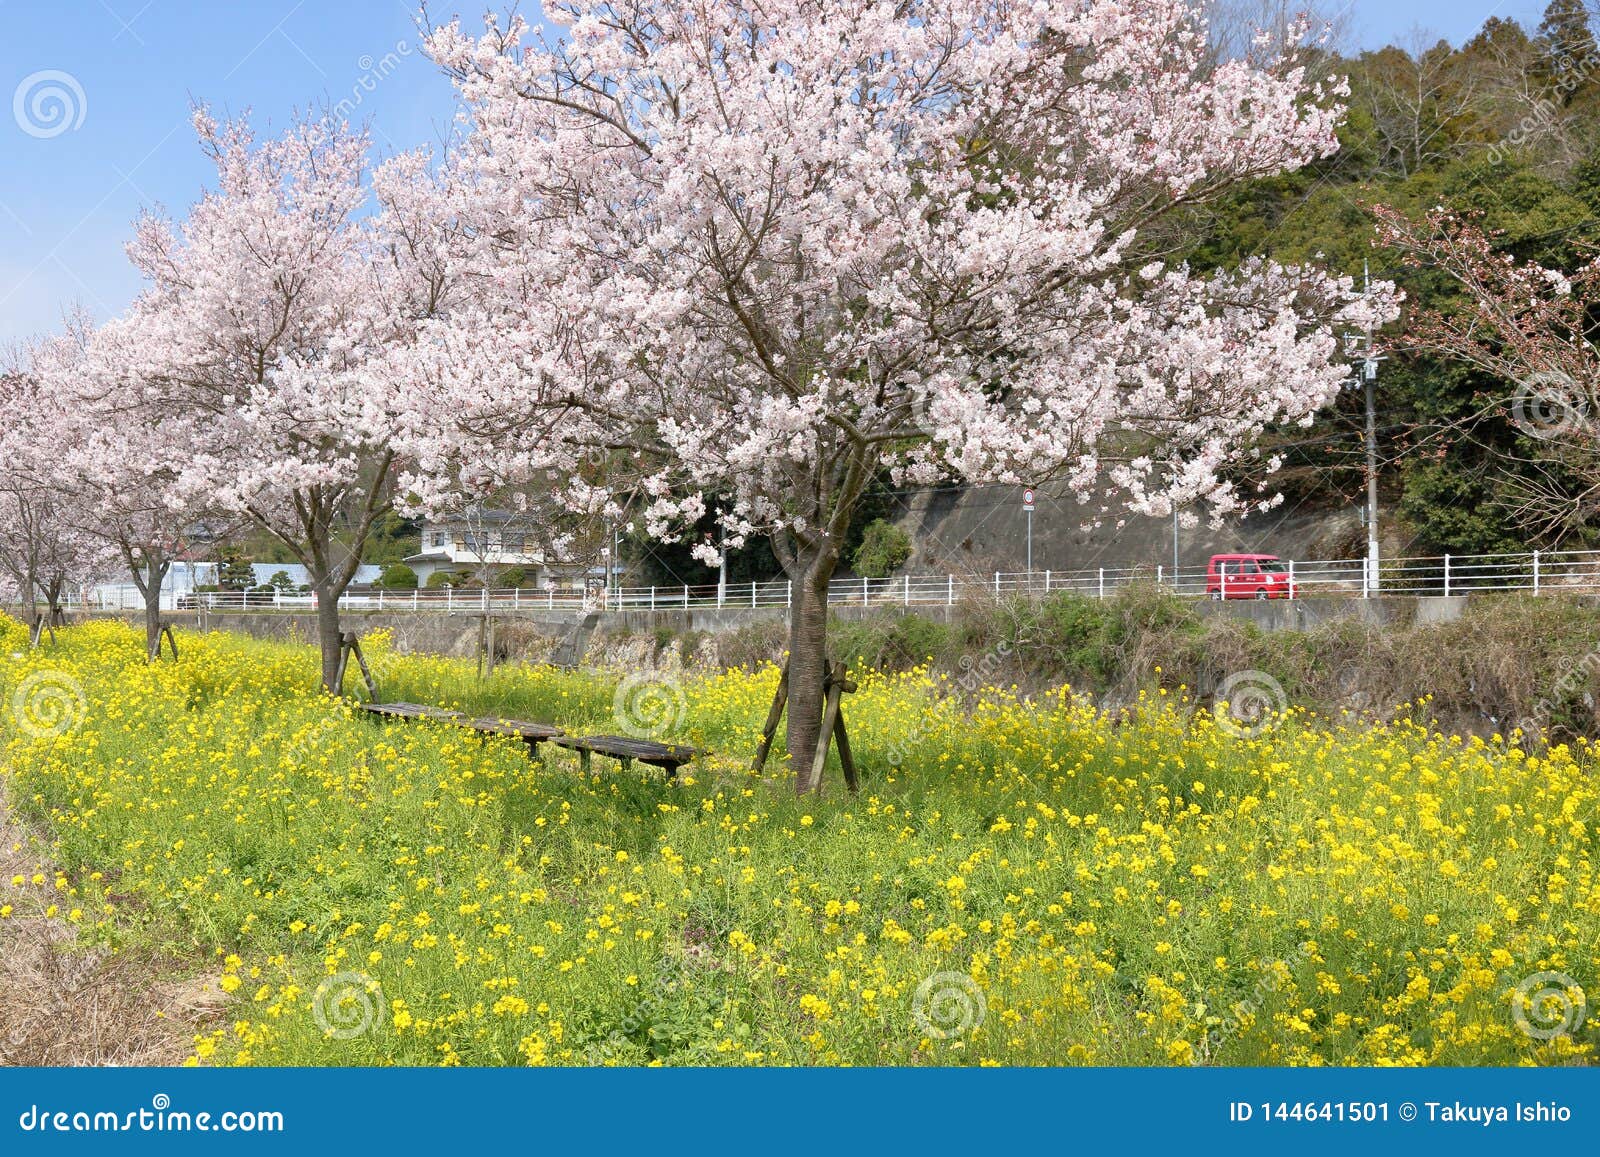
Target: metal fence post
<point>449,597</point>
<point>996,584</point>
<point>1536,574</point>
<point>1102,582</point>
<point>1291,580</point>
<point>950,590</point>
<point>788,593</point>
<point>414,598</point>
<point>516,598</point>
<point>866,590</point>
<point>1446,576</point>
<point>1158,574</point>
<point>908,590</point>
<point>754,586</point>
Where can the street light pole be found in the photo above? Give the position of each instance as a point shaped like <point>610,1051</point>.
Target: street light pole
<point>1027,507</point>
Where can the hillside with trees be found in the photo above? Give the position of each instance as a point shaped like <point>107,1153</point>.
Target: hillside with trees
<point>1504,129</point>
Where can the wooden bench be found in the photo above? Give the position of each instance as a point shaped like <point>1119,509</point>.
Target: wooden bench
<point>532,734</point>
<point>667,756</point>
<point>412,711</point>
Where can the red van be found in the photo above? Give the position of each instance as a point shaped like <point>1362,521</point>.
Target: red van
<point>1248,576</point>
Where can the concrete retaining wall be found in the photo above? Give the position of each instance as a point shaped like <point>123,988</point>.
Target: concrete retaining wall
<point>458,634</point>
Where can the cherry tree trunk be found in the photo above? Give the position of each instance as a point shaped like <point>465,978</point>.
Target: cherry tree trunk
<point>808,669</point>
<point>150,585</point>
<point>152,621</point>
<point>330,638</point>
<point>30,605</point>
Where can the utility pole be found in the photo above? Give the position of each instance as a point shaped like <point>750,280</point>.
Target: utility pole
<point>722,566</point>
<point>1174,546</point>
<point>1367,374</point>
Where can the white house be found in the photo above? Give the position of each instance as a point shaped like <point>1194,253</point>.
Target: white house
<point>489,538</point>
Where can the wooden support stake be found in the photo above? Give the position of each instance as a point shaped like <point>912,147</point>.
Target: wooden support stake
<point>846,761</point>
<point>830,717</point>
<point>352,646</point>
<point>836,684</point>
<point>172,640</point>
<point>774,717</point>
<point>344,662</point>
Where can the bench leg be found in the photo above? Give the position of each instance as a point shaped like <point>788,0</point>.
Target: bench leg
<point>534,754</point>
<point>583,761</point>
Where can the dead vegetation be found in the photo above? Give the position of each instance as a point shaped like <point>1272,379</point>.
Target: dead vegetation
<point>65,1001</point>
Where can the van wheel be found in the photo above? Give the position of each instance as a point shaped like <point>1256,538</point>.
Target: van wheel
<point>1262,595</point>
<point>1216,596</point>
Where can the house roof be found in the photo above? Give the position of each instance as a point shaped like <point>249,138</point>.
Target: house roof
<point>484,517</point>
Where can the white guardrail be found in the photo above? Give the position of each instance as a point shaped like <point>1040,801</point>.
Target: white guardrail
<point>1533,572</point>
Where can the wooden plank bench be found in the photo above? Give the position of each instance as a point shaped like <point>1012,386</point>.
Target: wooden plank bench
<point>532,734</point>
<point>412,711</point>
<point>667,756</point>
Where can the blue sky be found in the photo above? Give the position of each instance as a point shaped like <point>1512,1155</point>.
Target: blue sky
<point>70,188</point>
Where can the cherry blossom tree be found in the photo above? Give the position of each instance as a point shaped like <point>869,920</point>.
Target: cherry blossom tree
<point>271,314</point>
<point>44,543</point>
<point>121,461</point>
<point>772,250</point>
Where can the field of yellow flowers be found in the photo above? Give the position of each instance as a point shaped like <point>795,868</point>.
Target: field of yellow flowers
<point>1019,882</point>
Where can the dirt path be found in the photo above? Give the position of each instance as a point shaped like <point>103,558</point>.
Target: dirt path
<point>66,1002</point>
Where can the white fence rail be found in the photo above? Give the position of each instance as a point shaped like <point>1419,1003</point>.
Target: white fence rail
<point>1533,572</point>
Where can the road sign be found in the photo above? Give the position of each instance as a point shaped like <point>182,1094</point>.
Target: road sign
<point>1027,499</point>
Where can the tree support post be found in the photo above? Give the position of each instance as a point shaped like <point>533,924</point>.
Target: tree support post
<point>350,644</point>
<point>836,685</point>
<point>164,632</point>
